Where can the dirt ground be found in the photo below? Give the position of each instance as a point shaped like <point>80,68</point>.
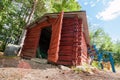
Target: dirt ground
<point>17,69</point>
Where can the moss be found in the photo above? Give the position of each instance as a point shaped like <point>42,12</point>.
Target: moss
<point>8,57</point>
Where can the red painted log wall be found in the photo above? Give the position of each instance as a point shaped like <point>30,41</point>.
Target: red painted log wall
<point>72,48</point>
<point>32,40</point>
<point>70,43</point>
<point>84,55</point>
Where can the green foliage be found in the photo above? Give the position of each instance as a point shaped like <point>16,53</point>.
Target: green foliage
<point>95,64</point>
<point>65,5</point>
<point>14,15</point>
<point>101,39</point>
<point>117,52</point>
<point>104,43</point>
<point>13,18</point>
<point>1,43</point>
<point>84,68</point>
<point>41,8</point>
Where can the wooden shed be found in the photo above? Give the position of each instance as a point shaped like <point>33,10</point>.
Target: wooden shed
<point>62,38</point>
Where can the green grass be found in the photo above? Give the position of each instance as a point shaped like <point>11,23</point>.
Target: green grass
<point>1,57</point>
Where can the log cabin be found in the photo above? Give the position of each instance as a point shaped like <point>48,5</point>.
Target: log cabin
<point>61,38</point>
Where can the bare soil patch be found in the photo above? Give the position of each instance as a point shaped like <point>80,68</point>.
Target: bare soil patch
<point>17,69</point>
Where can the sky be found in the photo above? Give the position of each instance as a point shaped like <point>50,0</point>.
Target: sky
<point>104,14</point>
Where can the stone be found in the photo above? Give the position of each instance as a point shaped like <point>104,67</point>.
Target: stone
<point>38,60</point>
<point>11,50</point>
<point>64,68</point>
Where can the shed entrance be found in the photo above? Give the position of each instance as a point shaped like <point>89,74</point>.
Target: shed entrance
<point>44,42</point>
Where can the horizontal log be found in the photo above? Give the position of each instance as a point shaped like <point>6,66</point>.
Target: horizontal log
<point>26,53</point>
<point>66,44</point>
<point>83,59</point>
<point>67,31</point>
<point>83,56</point>
<point>68,63</point>
<point>29,43</point>
<point>33,34</point>
<point>31,39</point>
<point>74,30</point>
<point>35,28</point>
<point>26,57</point>
<point>32,50</point>
<point>68,21</point>
<point>65,58</point>
<point>29,47</point>
<point>66,28</point>
<point>67,38</point>
<point>65,53</point>
<point>66,41</point>
<point>67,34</point>
<point>83,53</point>
<point>34,31</point>
<point>30,36</point>
<point>66,47</point>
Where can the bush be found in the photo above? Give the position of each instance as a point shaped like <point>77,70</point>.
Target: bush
<point>95,64</point>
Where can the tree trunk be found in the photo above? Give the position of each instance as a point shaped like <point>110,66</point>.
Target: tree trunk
<point>32,12</point>
<point>21,43</point>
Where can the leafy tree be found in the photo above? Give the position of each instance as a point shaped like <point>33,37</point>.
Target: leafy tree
<point>66,5</point>
<point>101,39</point>
<point>117,52</point>
<point>104,42</point>
<point>16,14</point>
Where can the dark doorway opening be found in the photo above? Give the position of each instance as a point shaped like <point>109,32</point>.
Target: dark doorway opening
<point>44,42</point>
